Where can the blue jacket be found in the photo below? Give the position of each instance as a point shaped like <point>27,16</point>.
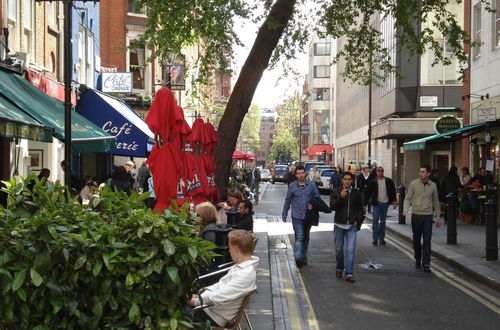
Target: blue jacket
<point>297,198</point>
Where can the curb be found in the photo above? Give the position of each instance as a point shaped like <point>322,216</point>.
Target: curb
<point>488,281</point>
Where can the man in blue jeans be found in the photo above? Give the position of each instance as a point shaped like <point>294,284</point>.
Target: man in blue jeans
<point>347,203</point>
<point>298,196</point>
<point>423,197</point>
<point>381,192</point>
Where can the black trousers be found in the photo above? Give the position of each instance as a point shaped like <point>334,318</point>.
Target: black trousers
<point>421,226</point>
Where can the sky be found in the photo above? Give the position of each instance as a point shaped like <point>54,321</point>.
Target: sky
<point>268,94</point>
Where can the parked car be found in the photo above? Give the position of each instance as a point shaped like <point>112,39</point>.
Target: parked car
<point>309,165</point>
<point>325,176</point>
<point>279,173</point>
<point>265,175</point>
<point>324,167</point>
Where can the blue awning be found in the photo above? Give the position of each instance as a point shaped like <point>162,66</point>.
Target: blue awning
<point>117,118</point>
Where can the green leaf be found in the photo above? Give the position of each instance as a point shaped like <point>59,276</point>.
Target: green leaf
<point>96,202</point>
<point>52,232</point>
<point>173,272</point>
<point>129,280</point>
<point>105,258</point>
<point>9,311</point>
<point>97,268</point>
<point>168,247</point>
<point>57,304</point>
<point>193,252</point>
<point>65,254</point>
<point>36,278</point>
<point>22,294</point>
<point>18,279</point>
<point>6,273</point>
<point>97,309</point>
<point>173,323</point>
<point>134,313</point>
<point>80,262</point>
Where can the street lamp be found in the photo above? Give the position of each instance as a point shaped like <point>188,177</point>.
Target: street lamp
<point>67,83</point>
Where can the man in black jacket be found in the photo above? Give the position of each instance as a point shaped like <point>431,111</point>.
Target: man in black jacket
<point>246,218</point>
<point>347,203</point>
<point>381,192</point>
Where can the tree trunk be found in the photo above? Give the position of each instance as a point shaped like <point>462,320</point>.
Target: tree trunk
<point>244,89</point>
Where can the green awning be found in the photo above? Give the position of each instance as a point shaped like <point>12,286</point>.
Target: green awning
<point>15,123</point>
<point>85,136</point>
<point>455,134</point>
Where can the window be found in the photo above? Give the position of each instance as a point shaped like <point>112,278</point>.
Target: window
<point>12,10</point>
<point>321,49</point>
<point>52,19</point>
<point>321,71</point>
<point>321,127</point>
<point>134,8</point>
<point>436,73</point>
<point>27,14</point>
<point>271,135</point>
<point>496,25</point>
<point>477,29</point>
<point>321,94</point>
<point>85,56</point>
<point>136,64</point>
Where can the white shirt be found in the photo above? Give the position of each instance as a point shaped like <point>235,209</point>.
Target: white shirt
<point>227,295</point>
<point>382,191</point>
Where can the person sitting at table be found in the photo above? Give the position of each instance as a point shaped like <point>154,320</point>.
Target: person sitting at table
<point>207,215</point>
<point>246,215</point>
<point>484,177</point>
<point>475,188</point>
<point>226,296</point>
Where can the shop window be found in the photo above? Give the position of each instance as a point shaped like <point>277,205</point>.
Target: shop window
<point>321,94</point>
<point>136,64</point>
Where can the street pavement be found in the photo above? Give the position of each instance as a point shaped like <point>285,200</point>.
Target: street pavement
<point>389,292</point>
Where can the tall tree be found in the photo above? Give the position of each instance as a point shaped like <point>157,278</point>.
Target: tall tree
<point>250,128</point>
<point>285,147</point>
<point>286,24</point>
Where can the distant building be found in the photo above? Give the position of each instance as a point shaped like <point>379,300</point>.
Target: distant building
<point>268,118</point>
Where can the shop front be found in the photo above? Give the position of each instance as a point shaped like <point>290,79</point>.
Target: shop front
<point>116,118</point>
<point>321,152</point>
<point>28,115</point>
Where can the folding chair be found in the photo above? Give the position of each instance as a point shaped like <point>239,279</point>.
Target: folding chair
<point>234,324</point>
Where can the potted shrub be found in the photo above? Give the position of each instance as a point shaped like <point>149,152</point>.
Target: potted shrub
<point>466,211</point>
<point>110,264</point>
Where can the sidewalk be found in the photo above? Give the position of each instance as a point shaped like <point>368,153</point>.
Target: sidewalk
<point>469,254</point>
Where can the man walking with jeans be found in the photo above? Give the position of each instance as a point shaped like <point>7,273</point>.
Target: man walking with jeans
<point>381,192</point>
<point>347,203</point>
<point>422,195</point>
<point>298,197</point>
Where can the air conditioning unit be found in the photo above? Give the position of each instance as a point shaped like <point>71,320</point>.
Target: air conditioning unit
<point>3,52</point>
<point>24,58</point>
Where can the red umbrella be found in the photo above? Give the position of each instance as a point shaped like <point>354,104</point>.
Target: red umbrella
<point>163,120</point>
<point>238,155</point>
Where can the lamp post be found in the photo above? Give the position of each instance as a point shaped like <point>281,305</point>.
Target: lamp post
<point>68,55</point>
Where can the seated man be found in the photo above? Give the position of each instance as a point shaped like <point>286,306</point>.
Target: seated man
<point>246,212</point>
<point>226,296</point>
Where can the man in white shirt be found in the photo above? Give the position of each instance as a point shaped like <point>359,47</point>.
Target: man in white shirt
<point>226,296</point>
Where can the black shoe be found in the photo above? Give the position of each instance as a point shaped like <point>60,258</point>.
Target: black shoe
<point>375,243</point>
<point>300,262</point>
<point>427,269</point>
<point>381,242</point>
<point>418,264</point>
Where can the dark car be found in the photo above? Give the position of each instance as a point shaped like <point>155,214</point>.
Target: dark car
<point>279,173</point>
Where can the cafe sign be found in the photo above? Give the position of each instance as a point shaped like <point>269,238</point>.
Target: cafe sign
<point>117,82</point>
<point>447,123</point>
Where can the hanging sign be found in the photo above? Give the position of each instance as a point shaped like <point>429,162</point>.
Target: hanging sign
<point>117,82</point>
<point>447,123</point>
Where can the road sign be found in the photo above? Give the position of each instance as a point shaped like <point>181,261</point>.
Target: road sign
<point>486,114</point>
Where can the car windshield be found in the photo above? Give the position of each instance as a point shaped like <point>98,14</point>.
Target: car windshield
<point>309,166</point>
<point>264,171</point>
<point>327,173</point>
<point>280,169</point>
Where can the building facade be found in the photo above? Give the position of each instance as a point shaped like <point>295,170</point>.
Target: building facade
<point>320,102</point>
